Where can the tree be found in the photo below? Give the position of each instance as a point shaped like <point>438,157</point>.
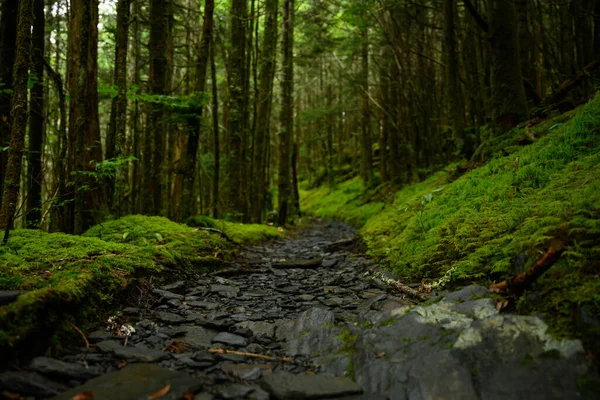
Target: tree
<point>286,120</point>
<point>237,106</point>
<point>8,34</point>
<point>366,155</point>
<point>265,101</point>
<point>84,146</point>
<point>36,118</point>
<point>115,138</point>
<point>19,116</point>
<point>194,135</point>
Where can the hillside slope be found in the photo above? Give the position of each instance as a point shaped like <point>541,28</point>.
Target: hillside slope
<point>495,220</point>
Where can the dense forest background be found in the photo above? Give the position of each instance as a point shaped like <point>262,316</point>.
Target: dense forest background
<point>186,107</point>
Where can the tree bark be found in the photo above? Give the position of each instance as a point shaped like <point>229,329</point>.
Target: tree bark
<point>265,100</point>
<point>187,202</point>
<point>36,119</point>
<point>366,152</point>
<point>215,121</point>
<point>509,104</point>
<point>84,147</point>
<point>455,103</point>
<point>8,34</point>
<point>237,106</point>
<point>19,116</point>
<point>286,129</point>
<point>115,139</point>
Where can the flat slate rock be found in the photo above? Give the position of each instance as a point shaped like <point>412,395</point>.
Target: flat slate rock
<point>53,368</point>
<point>138,381</point>
<point>289,264</point>
<point>132,354</point>
<point>29,384</point>
<point>286,386</point>
<point>169,318</point>
<point>165,294</point>
<point>230,339</point>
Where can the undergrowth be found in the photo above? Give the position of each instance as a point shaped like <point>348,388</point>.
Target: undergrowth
<point>472,229</point>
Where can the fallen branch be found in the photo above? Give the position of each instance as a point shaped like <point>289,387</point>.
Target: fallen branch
<point>220,232</point>
<point>341,244</point>
<point>87,344</point>
<point>519,283</point>
<point>240,353</point>
<point>397,285</point>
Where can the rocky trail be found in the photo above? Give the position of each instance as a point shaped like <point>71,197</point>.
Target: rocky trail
<point>297,319</point>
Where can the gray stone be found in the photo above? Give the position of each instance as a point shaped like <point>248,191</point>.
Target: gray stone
<point>295,387</point>
<point>131,311</point>
<point>258,328</point>
<point>174,303</point>
<point>164,294</point>
<point>53,368</point>
<point>305,297</point>
<point>288,289</point>
<point>138,381</point>
<point>467,294</point>
<point>233,391</point>
<point>225,290</point>
<point>230,339</point>
<point>132,354</point>
<point>8,296</point>
<point>29,384</point>
<point>439,376</point>
<point>169,318</point>
<point>100,336</point>
<point>197,336</point>
<point>202,304</point>
<point>252,375</point>
<point>176,287</point>
<point>258,394</point>
<point>476,309</point>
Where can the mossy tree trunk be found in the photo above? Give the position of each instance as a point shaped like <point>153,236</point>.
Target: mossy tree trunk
<point>237,105</point>
<point>36,119</point>
<point>509,104</point>
<point>264,106</point>
<point>84,147</point>
<point>18,116</point>
<point>286,120</point>
<point>8,34</point>
<point>216,142</point>
<point>115,138</point>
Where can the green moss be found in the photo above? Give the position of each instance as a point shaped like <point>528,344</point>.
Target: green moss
<point>461,230</point>
<point>77,277</point>
<point>348,342</point>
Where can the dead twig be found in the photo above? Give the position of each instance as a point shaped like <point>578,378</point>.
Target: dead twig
<point>220,232</point>
<point>87,344</point>
<point>240,353</point>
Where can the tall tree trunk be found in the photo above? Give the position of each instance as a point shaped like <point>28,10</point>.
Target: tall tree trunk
<point>187,202</point>
<point>286,128</point>
<point>19,116</point>
<point>85,148</point>
<point>366,155</point>
<point>456,104</point>
<point>215,121</point>
<point>265,101</point>
<point>237,106</point>
<point>36,119</point>
<point>135,120</point>
<point>509,104</point>
<point>154,142</point>
<point>115,139</point>
<point>8,35</point>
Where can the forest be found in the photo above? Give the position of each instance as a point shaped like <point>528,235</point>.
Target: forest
<point>430,148</point>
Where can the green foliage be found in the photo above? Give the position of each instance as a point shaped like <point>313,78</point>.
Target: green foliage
<point>470,231</point>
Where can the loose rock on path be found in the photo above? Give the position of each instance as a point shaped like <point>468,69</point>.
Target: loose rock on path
<point>296,319</point>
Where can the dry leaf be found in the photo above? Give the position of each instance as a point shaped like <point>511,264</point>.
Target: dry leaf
<point>12,396</point>
<point>380,354</point>
<point>122,364</point>
<point>83,396</point>
<point>188,396</point>
<point>160,393</point>
<point>501,304</point>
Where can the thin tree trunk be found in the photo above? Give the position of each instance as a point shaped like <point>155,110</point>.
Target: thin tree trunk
<point>115,139</point>
<point>19,116</point>
<point>265,99</point>
<point>187,202</point>
<point>366,155</point>
<point>36,120</point>
<point>8,34</point>
<point>286,129</point>
<point>215,121</point>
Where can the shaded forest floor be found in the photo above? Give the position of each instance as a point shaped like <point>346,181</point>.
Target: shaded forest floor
<point>490,218</point>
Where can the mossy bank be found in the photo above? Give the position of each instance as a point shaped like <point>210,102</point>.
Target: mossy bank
<point>75,279</point>
<point>530,185</point>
